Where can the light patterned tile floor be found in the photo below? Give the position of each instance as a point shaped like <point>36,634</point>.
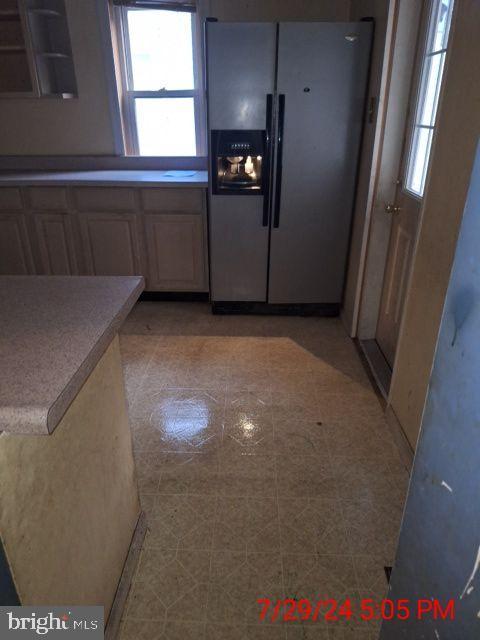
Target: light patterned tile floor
<point>265,469</point>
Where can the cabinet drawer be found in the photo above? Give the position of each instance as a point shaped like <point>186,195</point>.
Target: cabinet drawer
<point>48,198</point>
<point>105,199</point>
<point>172,200</point>
<point>10,198</point>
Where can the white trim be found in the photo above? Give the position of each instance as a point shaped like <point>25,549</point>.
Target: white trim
<point>110,73</point>
<point>129,94</point>
<point>427,57</point>
<point>382,107</point>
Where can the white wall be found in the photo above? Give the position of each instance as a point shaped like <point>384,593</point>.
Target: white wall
<point>84,126</point>
<point>76,126</point>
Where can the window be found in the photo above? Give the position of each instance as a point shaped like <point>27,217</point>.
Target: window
<point>429,91</point>
<point>162,99</point>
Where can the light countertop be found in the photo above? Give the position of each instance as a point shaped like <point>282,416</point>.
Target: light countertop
<point>53,331</point>
<point>131,178</point>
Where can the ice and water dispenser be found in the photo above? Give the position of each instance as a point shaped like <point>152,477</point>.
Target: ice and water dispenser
<point>238,166</point>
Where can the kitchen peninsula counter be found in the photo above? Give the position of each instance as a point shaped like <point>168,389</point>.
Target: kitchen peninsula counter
<point>69,505</point>
<point>53,331</point>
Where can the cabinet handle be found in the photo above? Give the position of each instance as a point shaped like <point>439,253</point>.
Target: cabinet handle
<point>278,185</point>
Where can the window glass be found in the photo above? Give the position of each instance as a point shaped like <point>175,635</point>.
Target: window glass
<point>432,83</point>
<point>421,144</point>
<point>160,49</point>
<point>429,92</point>
<point>441,19</point>
<point>165,126</point>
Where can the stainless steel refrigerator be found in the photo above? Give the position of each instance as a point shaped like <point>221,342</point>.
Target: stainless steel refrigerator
<point>285,116</point>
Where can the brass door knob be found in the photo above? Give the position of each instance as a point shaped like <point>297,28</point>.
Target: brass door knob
<point>391,208</point>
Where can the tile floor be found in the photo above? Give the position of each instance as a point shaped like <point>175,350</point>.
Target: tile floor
<point>265,469</point>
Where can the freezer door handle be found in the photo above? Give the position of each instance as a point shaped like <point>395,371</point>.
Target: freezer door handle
<point>278,179</point>
<point>266,161</point>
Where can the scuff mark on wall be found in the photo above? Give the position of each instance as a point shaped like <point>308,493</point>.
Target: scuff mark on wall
<point>476,566</point>
<point>462,306</point>
<point>447,486</point>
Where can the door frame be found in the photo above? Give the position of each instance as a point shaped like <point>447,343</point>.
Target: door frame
<point>400,193</point>
<point>400,55</point>
<point>402,50</point>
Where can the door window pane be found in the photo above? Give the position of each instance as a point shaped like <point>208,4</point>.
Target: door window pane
<point>165,126</point>
<point>429,91</point>
<point>422,142</point>
<point>160,49</point>
<point>441,19</point>
<point>432,83</point>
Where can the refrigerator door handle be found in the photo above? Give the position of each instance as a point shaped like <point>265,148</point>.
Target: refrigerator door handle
<point>267,161</point>
<point>278,179</point>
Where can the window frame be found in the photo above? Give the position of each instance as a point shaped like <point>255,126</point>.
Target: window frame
<point>424,65</point>
<point>128,94</point>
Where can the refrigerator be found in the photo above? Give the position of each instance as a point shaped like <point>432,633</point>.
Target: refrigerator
<point>285,113</point>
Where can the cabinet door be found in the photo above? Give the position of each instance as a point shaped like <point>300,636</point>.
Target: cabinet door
<point>15,252</point>
<point>110,244</point>
<point>175,248</point>
<point>56,244</point>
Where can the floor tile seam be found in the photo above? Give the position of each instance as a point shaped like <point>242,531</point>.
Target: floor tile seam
<point>280,535</point>
<point>142,619</point>
<point>372,502</point>
<point>140,383</point>
<point>262,553</point>
<point>212,550</point>
<point>332,468</point>
<point>155,595</point>
<point>183,595</point>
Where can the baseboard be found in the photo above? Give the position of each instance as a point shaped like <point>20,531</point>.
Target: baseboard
<point>378,365</point>
<point>263,308</point>
<point>112,627</point>
<point>406,452</point>
<point>175,296</point>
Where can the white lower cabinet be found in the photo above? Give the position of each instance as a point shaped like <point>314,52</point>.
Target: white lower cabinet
<point>56,244</point>
<point>156,232</point>
<point>15,251</point>
<point>110,244</point>
<point>175,252</point>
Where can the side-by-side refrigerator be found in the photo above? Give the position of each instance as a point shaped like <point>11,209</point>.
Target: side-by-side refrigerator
<point>285,114</point>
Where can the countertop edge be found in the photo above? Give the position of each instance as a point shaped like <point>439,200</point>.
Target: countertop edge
<point>43,419</point>
<point>105,178</point>
<point>162,184</point>
<point>64,400</point>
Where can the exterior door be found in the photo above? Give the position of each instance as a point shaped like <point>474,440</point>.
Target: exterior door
<point>321,86</point>
<point>405,210</point>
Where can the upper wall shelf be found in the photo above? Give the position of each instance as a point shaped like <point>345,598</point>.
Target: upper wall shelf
<point>34,34</point>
